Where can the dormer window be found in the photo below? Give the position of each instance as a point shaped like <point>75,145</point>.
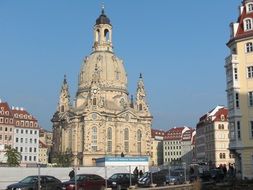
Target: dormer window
<point>250,7</point>
<point>247,24</point>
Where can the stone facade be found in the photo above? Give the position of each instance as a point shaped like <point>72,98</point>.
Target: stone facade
<point>103,120</point>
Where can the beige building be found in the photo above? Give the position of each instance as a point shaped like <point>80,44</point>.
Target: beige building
<point>43,153</point>
<point>239,72</point>
<point>46,137</point>
<point>156,156</point>
<point>212,142</point>
<point>45,146</point>
<point>103,120</point>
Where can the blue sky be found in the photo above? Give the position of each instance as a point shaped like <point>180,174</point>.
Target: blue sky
<point>179,46</point>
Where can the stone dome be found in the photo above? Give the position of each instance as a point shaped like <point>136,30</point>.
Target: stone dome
<point>109,69</point>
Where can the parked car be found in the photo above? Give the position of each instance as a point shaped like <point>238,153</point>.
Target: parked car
<point>205,176</point>
<point>175,177</point>
<point>217,174</point>
<point>148,178</point>
<point>121,180</point>
<point>31,183</point>
<point>85,182</point>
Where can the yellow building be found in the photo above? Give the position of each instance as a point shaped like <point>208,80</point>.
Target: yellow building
<point>239,72</point>
<point>103,120</point>
<point>43,153</point>
<point>156,156</point>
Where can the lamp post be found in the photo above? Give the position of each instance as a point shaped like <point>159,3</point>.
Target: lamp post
<point>38,176</point>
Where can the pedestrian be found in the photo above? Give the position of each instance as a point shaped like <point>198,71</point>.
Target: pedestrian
<point>72,173</point>
<point>140,173</point>
<point>136,172</point>
<point>224,168</point>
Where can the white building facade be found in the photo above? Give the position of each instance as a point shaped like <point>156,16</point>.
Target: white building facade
<point>178,146</point>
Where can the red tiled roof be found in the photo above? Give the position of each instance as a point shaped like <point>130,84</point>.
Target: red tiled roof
<point>43,145</point>
<point>174,133</point>
<point>5,110</point>
<point>221,115</point>
<point>24,113</point>
<point>175,130</point>
<point>156,132</point>
<point>240,31</point>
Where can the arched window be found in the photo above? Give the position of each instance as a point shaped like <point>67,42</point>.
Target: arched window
<point>140,107</point>
<point>224,156</point>
<point>94,139</point>
<point>109,139</point>
<point>97,35</point>
<point>139,141</point>
<point>220,155</point>
<point>126,140</point>
<point>94,101</point>
<point>106,35</point>
<point>249,47</point>
<point>247,24</point>
<point>250,7</point>
<point>62,108</point>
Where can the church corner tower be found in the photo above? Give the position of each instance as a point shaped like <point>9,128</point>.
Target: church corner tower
<point>141,100</point>
<point>239,73</point>
<point>104,121</point>
<point>64,100</point>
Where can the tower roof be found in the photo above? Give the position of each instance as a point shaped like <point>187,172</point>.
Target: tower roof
<point>103,19</point>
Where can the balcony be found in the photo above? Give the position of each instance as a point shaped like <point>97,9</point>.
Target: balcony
<point>231,59</point>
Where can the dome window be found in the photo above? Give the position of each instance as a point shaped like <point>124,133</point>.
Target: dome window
<point>94,102</point>
<point>140,107</point>
<point>62,108</point>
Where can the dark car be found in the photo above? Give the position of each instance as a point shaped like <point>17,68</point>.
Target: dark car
<point>31,183</point>
<point>175,177</point>
<point>121,180</point>
<point>85,182</point>
<point>149,178</point>
<point>217,174</point>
